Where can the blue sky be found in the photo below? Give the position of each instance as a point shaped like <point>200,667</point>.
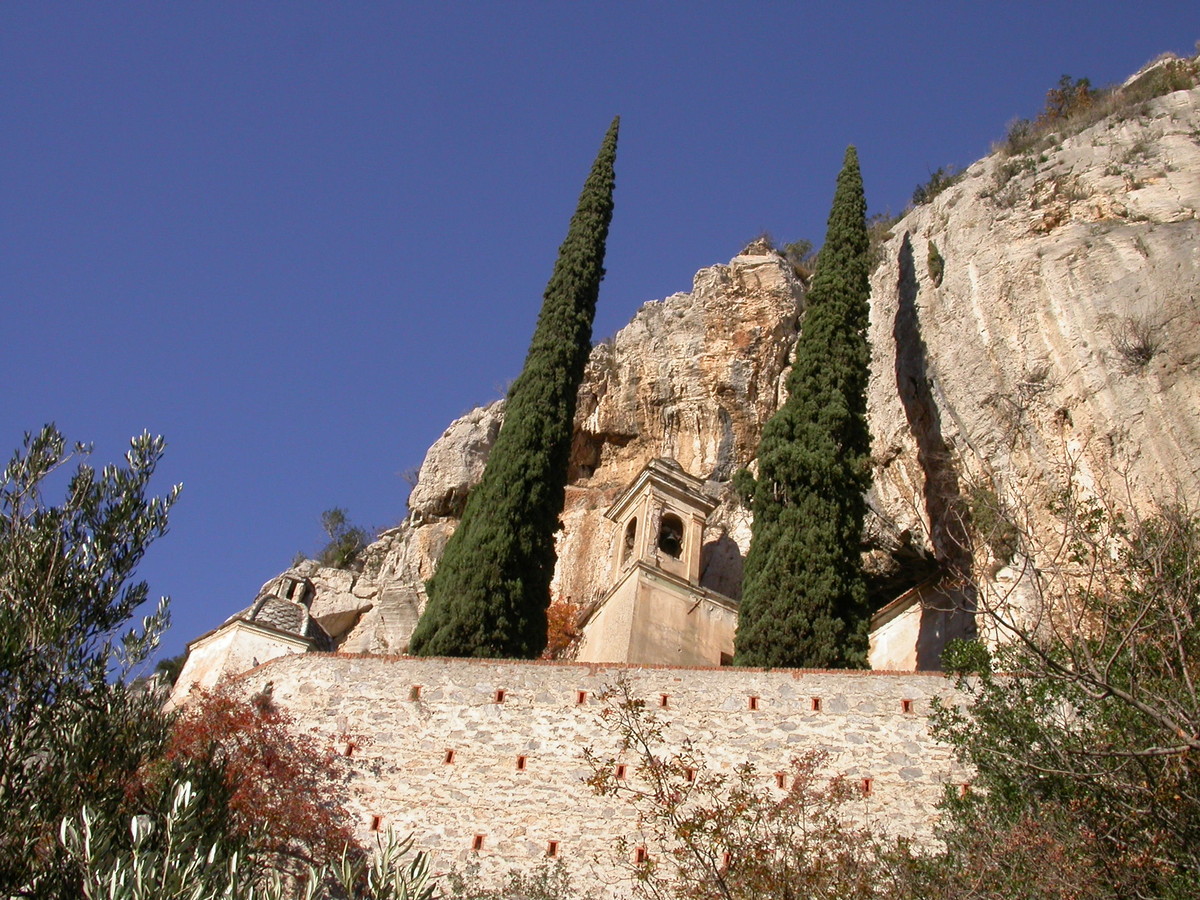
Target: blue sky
<point>298,239</point>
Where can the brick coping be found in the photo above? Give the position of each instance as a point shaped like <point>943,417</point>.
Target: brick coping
<point>596,666</point>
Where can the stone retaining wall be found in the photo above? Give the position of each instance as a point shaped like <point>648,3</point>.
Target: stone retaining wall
<point>437,744</point>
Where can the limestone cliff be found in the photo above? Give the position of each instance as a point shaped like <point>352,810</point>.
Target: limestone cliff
<point>693,377</point>
<point>1062,332</point>
<point>1039,313</point>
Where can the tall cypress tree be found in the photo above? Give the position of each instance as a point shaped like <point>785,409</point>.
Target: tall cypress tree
<point>804,599</point>
<point>491,589</point>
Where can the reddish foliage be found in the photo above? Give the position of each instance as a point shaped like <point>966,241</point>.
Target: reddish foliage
<point>561,630</point>
<point>1072,96</point>
<point>284,789</point>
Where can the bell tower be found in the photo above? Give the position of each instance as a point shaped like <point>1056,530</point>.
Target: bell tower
<point>656,611</point>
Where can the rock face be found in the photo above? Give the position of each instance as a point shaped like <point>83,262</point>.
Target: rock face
<point>1037,316</point>
<point>1062,337</point>
<point>693,377</point>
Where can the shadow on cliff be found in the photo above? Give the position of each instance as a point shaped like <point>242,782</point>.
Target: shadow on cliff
<point>947,607</point>
<point>721,566</point>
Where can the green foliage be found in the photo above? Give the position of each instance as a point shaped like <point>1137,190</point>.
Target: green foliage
<point>744,485</point>
<point>803,258</point>
<point>86,754</point>
<point>169,857</point>
<point>993,524</point>
<point>804,597</point>
<point>169,667</point>
<point>549,880</point>
<point>966,658</point>
<point>1168,76</point>
<point>1085,747</point>
<point>936,265</point>
<point>1074,104</point>
<point>1005,172</point>
<point>71,730</point>
<point>346,541</point>
<point>944,177</point>
<point>492,586</point>
<point>879,232</point>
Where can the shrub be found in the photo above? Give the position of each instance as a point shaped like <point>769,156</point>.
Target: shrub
<point>803,257</point>
<point>561,631</point>
<point>271,791</point>
<point>168,856</point>
<point>735,836</point>
<point>944,177</point>
<point>1008,170</point>
<point>1137,340</point>
<point>936,264</point>
<point>1164,78</point>
<point>1084,748</point>
<point>1074,104</point>
<point>346,541</point>
<point>549,880</point>
<point>879,232</point>
<point>72,730</point>
<point>993,524</point>
<point>1072,97</point>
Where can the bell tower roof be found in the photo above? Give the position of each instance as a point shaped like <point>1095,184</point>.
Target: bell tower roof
<point>666,476</point>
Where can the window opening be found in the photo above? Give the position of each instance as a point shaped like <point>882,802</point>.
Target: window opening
<point>670,535</point>
<point>376,823</point>
<point>552,849</point>
<point>906,706</point>
<point>752,702</point>
<point>867,786</point>
<point>580,698</point>
<point>621,770</point>
<point>816,704</point>
<point>780,780</point>
<point>477,842</point>
<point>500,695</point>
<point>630,540</point>
<point>640,855</point>
<point>664,700</point>
<point>414,692</point>
<point>449,757</point>
<point>521,760</point>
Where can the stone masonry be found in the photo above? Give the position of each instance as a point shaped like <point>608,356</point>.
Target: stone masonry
<point>482,760</point>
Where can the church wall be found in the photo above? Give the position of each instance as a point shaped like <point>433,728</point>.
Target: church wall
<point>436,747</point>
<point>894,641</point>
<point>231,649</point>
<point>680,626</point>
<point>608,634</point>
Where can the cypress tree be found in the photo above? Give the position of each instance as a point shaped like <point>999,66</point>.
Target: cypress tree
<point>804,599</point>
<point>491,589</point>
